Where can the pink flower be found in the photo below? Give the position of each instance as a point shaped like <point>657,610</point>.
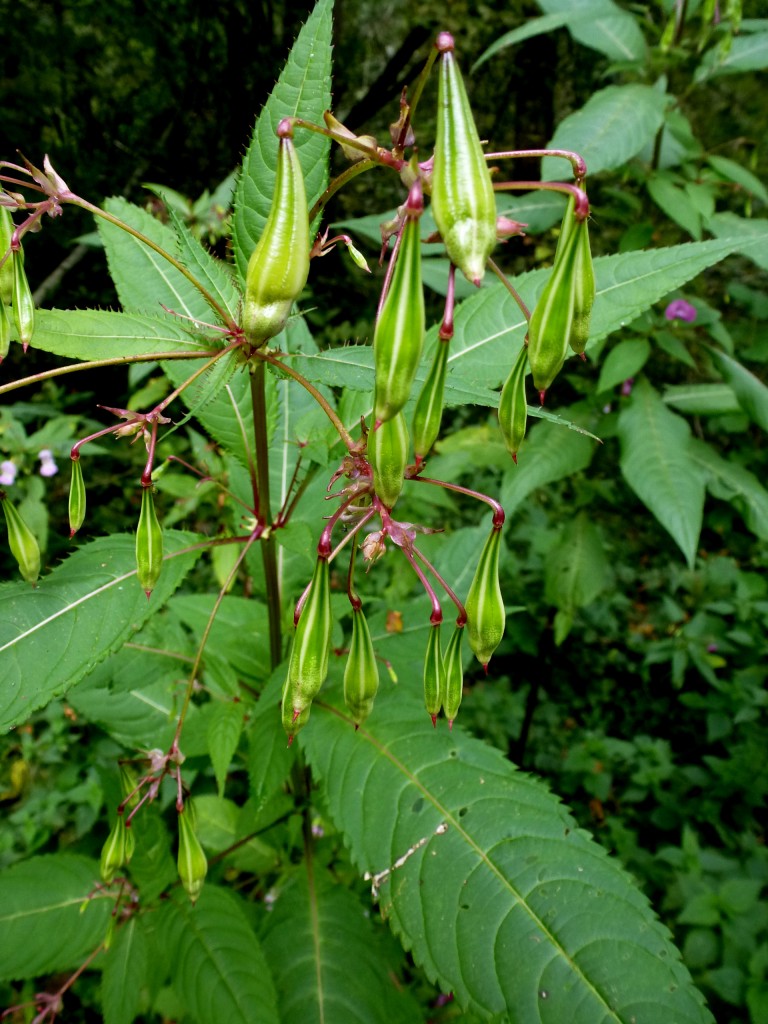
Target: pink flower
<point>47,466</point>
<point>8,472</point>
<point>679,309</point>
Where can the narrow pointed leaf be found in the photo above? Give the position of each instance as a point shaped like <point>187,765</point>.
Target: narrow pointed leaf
<point>729,480</point>
<point>751,393</point>
<point>612,30</point>
<point>224,729</point>
<point>549,454</point>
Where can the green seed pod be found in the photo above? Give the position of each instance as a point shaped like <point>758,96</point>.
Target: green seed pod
<point>584,290</point>
<point>149,544</point>
<point>279,265</point>
<point>428,412</point>
<point>23,303</point>
<point>434,674</point>
<point>398,339</point>
<point>113,852</point>
<point>22,542</point>
<point>463,201</point>
<point>192,863</point>
<point>6,271</point>
<point>361,676</point>
<point>513,409</point>
<point>454,676</point>
<point>308,665</point>
<point>76,498</point>
<point>484,604</point>
<point>5,332</point>
<point>388,448</point>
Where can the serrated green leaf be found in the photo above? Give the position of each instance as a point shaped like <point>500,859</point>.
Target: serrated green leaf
<point>732,482</point>
<point>328,961</point>
<point>746,53</point>
<point>303,90</point>
<point>546,455</point>
<point>751,393</point>
<point>41,927</point>
<point>225,725</point>
<point>611,128</point>
<point>124,974</point>
<point>219,971</point>
<point>576,570</point>
<point>84,610</point>
<point>623,361</point>
<point>657,466</point>
<point>487,880</point>
<point>270,759</point>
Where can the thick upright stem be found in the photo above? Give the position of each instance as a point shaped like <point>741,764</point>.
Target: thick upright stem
<point>263,512</point>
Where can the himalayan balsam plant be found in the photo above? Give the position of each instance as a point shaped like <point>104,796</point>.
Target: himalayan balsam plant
<point>330,724</point>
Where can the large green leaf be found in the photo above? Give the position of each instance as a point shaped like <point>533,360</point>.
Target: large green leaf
<point>576,571</point>
<point>125,971</point>
<point>328,961</point>
<point>727,479</point>
<point>486,878</point>
<point>51,636</point>
<point>303,90</point>
<point>546,455</point>
<point>745,53</point>
<point>611,128</point>
<point>657,466</point>
<point>41,927</point>
<point>219,971</point>
<point>751,393</point>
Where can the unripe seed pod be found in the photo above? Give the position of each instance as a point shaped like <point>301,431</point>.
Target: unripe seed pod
<point>149,544</point>
<point>192,863</point>
<point>513,409</point>
<point>279,265</point>
<point>484,604</point>
<point>113,852</point>
<point>584,290</point>
<point>463,201</point>
<point>23,303</point>
<point>398,339</point>
<point>454,676</point>
<point>434,674</point>
<point>76,498</point>
<point>6,271</point>
<point>428,413</point>
<point>361,675</point>
<point>308,665</point>
<point>388,448</point>
<point>22,542</point>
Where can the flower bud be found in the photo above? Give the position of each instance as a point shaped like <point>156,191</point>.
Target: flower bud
<point>399,335</point>
<point>361,676</point>
<point>434,674</point>
<point>388,448</point>
<point>23,303</point>
<point>279,265</point>
<point>22,542</point>
<point>113,852</point>
<point>463,201</point>
<point>513,409</point>
<point>6,271</point>
<point>428,413</point>
<point>192,863</point>
<point>484,604</point>
<point>76,498</point>
<point>149,543</point>
<point>308,665</point>
<point>454,676</point>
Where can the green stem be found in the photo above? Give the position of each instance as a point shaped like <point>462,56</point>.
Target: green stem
<point>263,511</point>
<point>339,182</point>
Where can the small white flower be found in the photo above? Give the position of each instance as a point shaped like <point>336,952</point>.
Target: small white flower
<point>47,465</point>
<point>8,472</point>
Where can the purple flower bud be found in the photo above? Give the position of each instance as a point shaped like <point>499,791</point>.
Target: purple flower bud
<point>47,465</point>
<point>626,387</point>
<point>8,471</point>
<point>679,309</point>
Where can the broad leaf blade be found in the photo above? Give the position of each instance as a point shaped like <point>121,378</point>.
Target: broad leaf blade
<point>303,90</point>
<point>328,961</point>
<point>125,972</point>
<point>611,31</point>
<point>547,454</point>
<point>746,53</point>
<point>487,879</point>
<point>41,927</point>
<point>219,970</point>
<point>750,392</point>
<point>50,637</point>
<point>734,483</point>
<point>657,466</point>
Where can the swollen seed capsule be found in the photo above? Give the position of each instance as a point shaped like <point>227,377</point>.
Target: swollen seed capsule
<point>398,339</point>
<point>584,290</point>
<point>113,852</point>
<point>22,542</point>
<point>484,604</point>
<point>388,455</point>
<point>279,265</point>
<point>454,676</point>
<point>192,863</point>
<point>149,544</point>
<point>428,413</point>
<point>434,674</point>
<point>308,665</point>
<point>463,201</point>
<point>361,676</point>
<point>23,303</point>
<point>513,409</point>
<point>6,271</point>
<point>76,498</point>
